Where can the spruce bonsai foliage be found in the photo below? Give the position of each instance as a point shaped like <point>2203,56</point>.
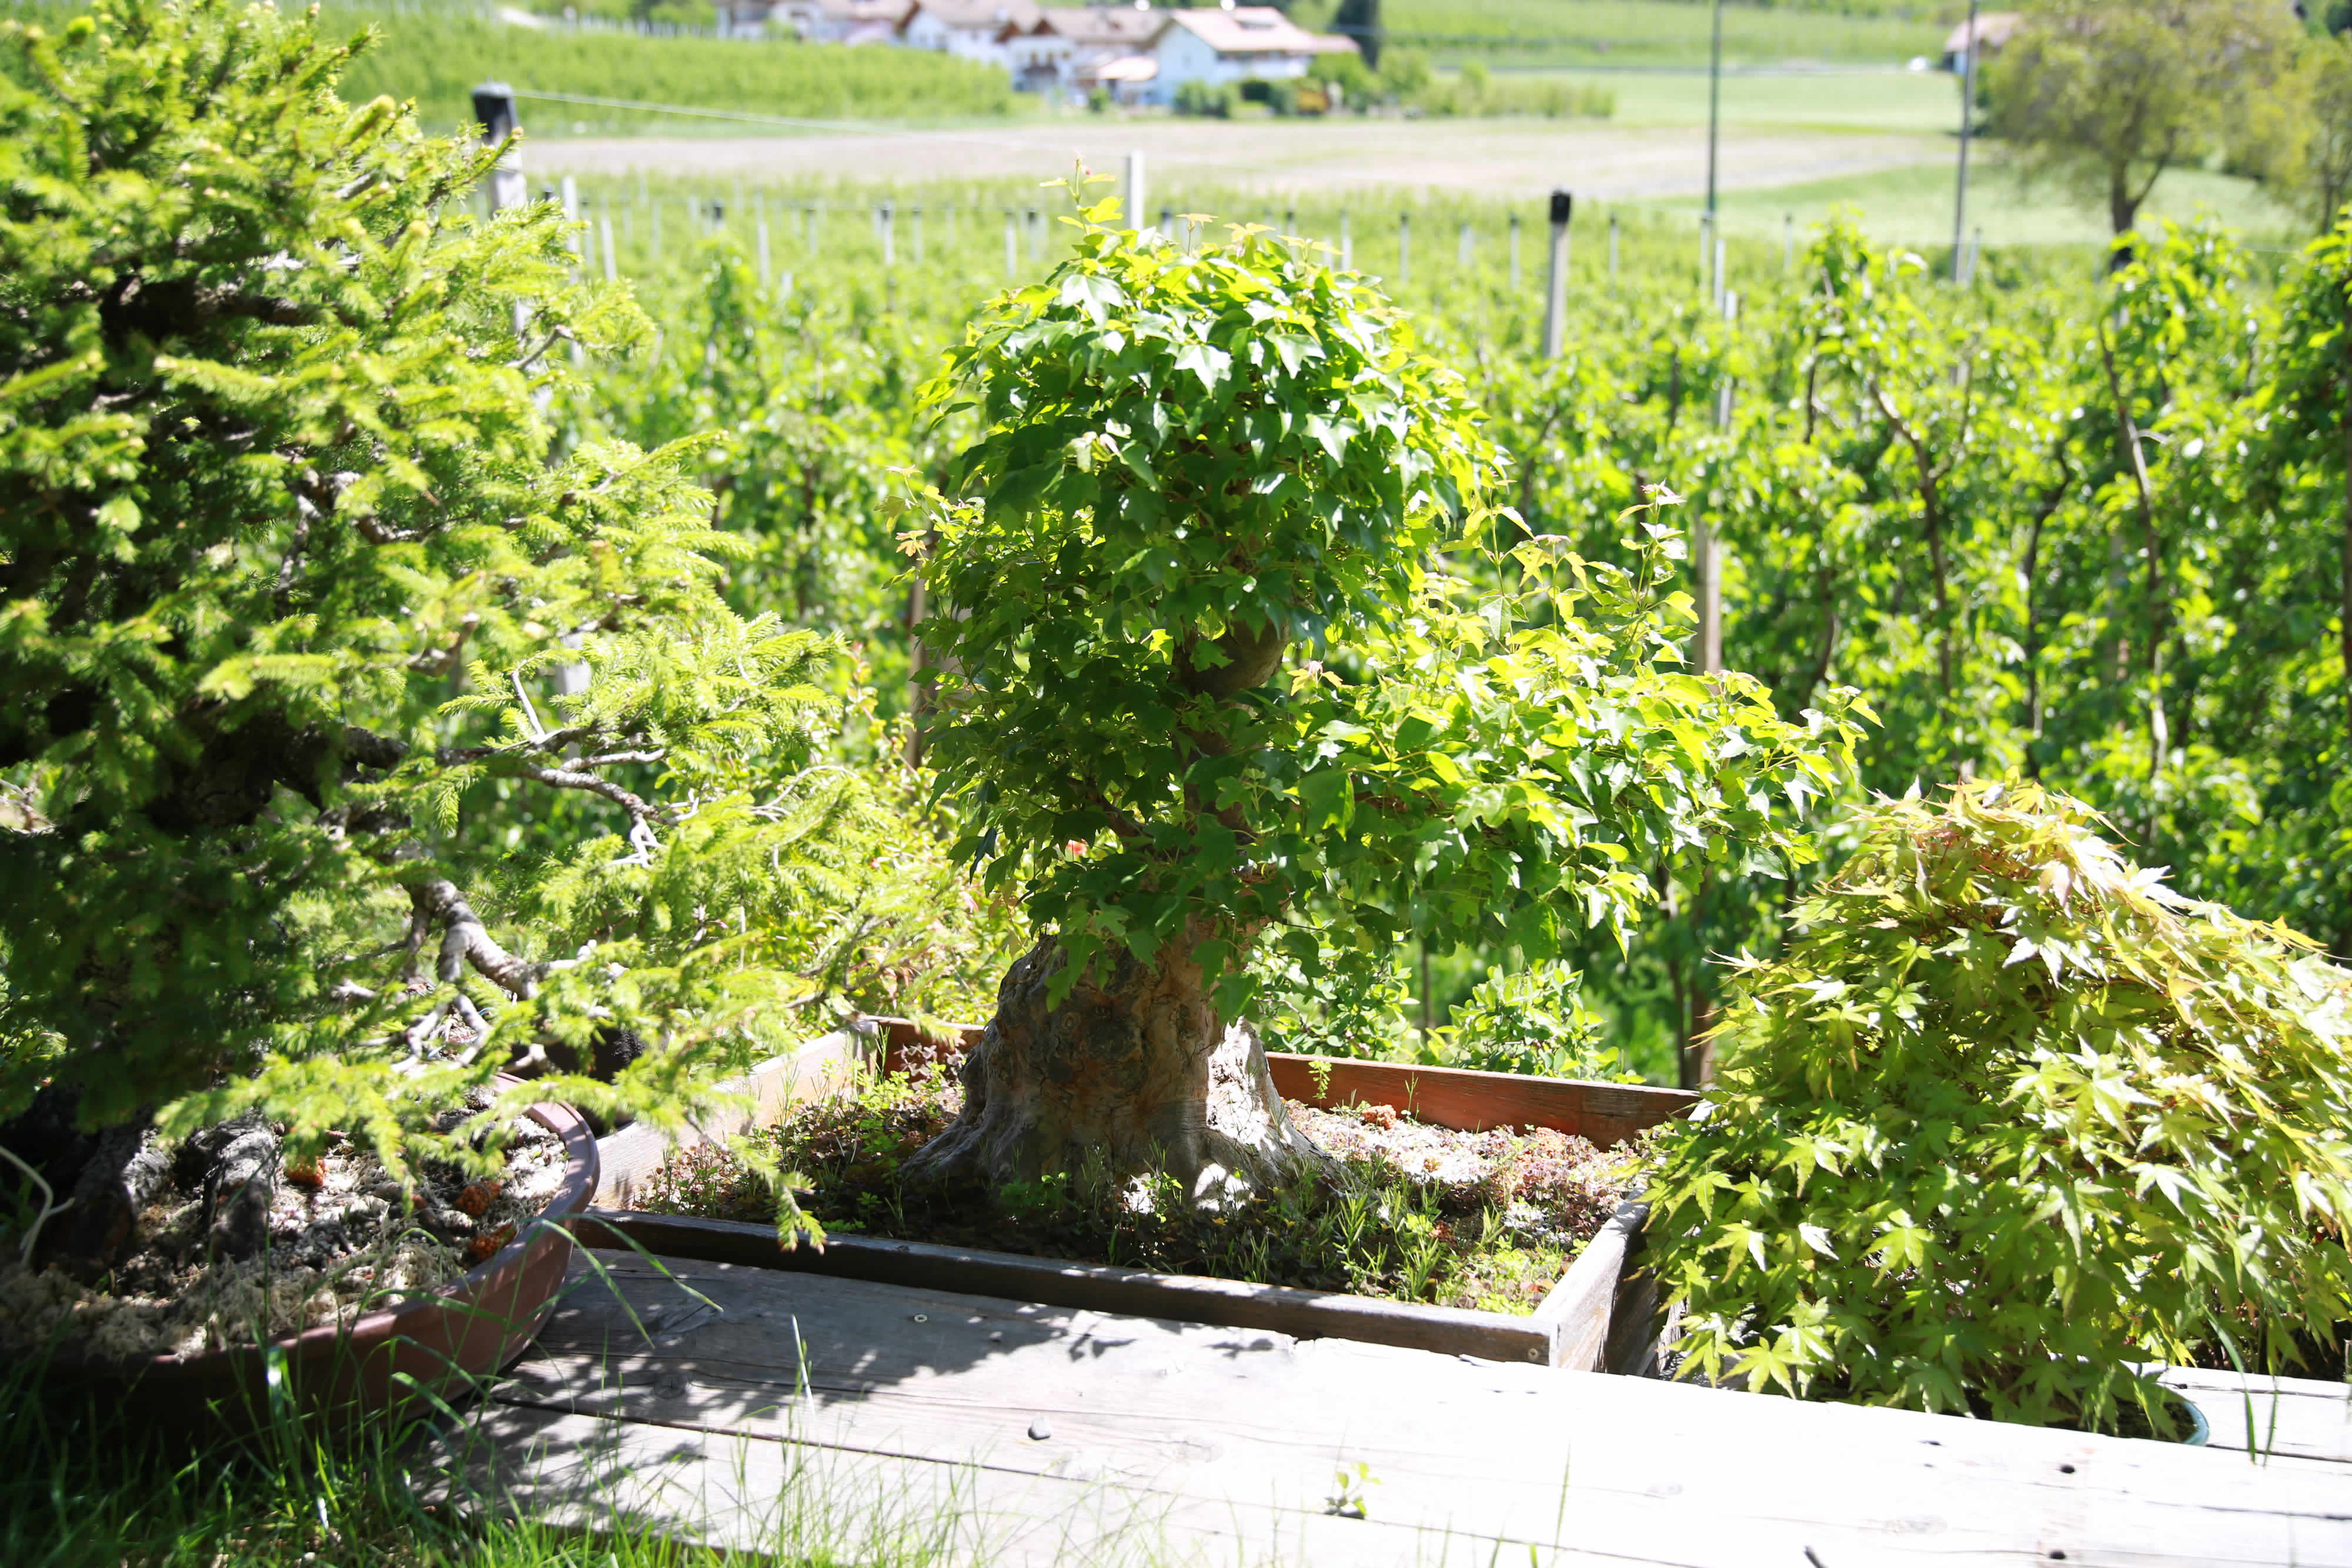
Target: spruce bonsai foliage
<point>359,740</point>
<point>2006,1119</point>
<point>1238,650</point>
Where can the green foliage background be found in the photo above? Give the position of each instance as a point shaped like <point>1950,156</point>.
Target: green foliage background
<point>2226,364</point>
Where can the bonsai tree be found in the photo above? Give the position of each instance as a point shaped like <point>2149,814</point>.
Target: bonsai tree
<point>362,739</point>
<point>1236,649</point>
<point>2008,1119</point>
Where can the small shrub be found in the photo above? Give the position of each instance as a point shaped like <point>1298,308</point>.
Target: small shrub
<point>1533,1020</point>
<point>2007,1118</point>
<point>1214,101</point>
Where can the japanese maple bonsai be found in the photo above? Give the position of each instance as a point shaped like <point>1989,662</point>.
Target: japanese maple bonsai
<point>2007,1127</point>
<point>1237,648</point>
<point>362,738</point>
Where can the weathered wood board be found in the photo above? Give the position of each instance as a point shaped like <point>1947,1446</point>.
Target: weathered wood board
<point>2272,1419</point>
<point>1576,1322</point>
<point>1011,1433</point>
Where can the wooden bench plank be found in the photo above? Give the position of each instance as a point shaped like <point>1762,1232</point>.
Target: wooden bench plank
<point>1608,1468</point>
<point>2288,1418</point>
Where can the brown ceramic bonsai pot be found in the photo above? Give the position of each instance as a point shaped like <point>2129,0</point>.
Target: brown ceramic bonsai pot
<point>400,1358</point>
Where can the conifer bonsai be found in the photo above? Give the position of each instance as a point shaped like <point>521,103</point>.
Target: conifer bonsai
<point>1236,649</point>
<point>361,738</point>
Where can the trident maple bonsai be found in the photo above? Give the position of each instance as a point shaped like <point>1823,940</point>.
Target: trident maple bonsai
<point>360,738</point>
<point>1210,678</point>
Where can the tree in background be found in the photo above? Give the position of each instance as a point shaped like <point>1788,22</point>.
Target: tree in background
<point>2103,96</point>
<point>1361,20</point>
<point>2325,111</point>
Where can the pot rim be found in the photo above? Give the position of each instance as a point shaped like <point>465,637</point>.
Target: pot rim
<point>578,1190</point>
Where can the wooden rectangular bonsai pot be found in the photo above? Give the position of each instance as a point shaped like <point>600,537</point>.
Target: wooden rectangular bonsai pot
<point>1570,1328</point>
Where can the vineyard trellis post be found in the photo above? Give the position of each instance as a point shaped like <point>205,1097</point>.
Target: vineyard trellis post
<point>1563,206</point>
<point>494,107</point>
<point>1135,190</point>
<point>1707,549</point>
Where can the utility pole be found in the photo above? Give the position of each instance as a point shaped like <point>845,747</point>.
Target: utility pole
<point>1968,120</point>
<point>1714,107</point>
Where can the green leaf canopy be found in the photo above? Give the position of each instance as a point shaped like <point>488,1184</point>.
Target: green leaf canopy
<point>1202,465</point>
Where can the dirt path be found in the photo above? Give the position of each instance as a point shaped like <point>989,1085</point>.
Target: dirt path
<point>1496,158</point>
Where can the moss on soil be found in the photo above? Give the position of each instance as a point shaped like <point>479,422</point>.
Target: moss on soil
<point>1418,1213</point>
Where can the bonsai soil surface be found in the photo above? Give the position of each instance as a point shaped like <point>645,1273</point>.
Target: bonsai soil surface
<point>1414,1212</point>
<point>311,1246</point>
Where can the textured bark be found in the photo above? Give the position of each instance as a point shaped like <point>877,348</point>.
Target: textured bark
<point>243,1184</point>
<point>1135,1069</point>
<point>124,1173</point>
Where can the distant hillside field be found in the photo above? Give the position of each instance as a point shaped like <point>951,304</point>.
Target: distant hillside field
<point>1663,32</point>
<point>437,61</point>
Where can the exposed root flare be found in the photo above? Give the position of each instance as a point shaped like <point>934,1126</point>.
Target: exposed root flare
<point>1133,1069</point>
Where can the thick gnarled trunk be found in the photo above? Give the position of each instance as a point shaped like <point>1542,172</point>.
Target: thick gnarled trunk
<point>1135,1069</point>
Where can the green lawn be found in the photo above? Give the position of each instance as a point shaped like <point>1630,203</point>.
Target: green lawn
<point>1913,206</point>
<point>1647,32</point>
<point>1851,99</point>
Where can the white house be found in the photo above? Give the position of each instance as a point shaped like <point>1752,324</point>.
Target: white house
<point>1063,48</point>
<point>843,21</point>
<point>1247,43</point>
<point>968,29</point>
